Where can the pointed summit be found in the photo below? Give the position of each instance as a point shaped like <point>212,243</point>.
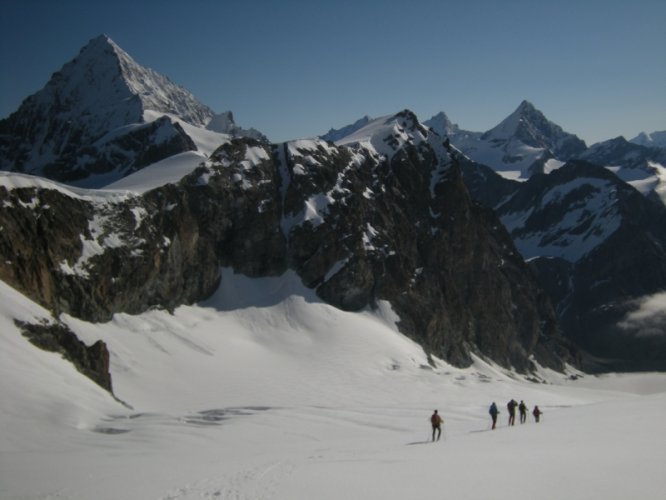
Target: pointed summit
<point>524,121</point>
<point>529,126</point>
<point>526,107</point>
<point>387,134</point>
<point>79,123</point>
<point>522,144</point>
<point>107,89</point>
<point>442,125</point>
<point>99,43</point>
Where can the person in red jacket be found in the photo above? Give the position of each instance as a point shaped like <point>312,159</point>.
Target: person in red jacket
<point>537,413</point>
<point>436,422</point>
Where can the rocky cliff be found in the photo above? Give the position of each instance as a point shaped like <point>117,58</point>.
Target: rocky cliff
<point>357,225</point>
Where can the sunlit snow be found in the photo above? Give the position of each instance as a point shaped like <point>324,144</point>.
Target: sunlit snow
<point>263,391</point>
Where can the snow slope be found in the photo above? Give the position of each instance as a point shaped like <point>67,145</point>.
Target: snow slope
<point>387,134</point>
<point>264,392</point>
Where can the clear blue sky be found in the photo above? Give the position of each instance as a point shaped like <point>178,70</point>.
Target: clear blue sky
<point>295,68</point>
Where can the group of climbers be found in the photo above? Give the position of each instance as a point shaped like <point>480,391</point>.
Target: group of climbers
<point>436,420</point>
<point>511,407</point>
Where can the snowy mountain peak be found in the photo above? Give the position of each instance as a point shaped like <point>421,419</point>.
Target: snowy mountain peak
<point>156,92</point>
<point>335,135</point>
<point>103,115</point>
<point>387,134</point>
<point>442,125</point>
<point>103,88</point>
<point>527,124</point>
<point>524,143</point>
<point>99,44</point>
<point>652,140</point>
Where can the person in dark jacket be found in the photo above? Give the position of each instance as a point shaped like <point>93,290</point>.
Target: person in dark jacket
<point>493,413</point>
<point>522,408</point>
<point>511,406</point>
<point>436,422</point>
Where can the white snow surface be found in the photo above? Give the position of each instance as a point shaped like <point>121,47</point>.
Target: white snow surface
<point>264,392</point>
<point>167,171</point>
<point>383,136</point>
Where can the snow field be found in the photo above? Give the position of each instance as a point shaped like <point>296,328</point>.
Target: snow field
<point>264,392</point>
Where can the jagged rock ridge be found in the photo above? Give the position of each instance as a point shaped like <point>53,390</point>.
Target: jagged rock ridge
<point>357,224</point>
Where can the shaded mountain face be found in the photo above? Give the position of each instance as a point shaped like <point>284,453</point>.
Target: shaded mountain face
<point>642,167</point>
<point>385,218</point>
<point>652,140</point>
<point>530,127</point>
<point>598,245</point>
<point>225,124</point>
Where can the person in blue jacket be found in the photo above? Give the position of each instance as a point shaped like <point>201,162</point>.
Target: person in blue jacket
<point>493,413</point>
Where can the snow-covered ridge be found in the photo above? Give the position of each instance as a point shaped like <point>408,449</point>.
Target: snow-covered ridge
<point>335,135</point>
<point>386,135</point>
<point>11,181</point>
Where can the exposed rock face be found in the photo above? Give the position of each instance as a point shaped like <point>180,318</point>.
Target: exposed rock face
<point>92,361</point>
<point>93,257</point>
<point>381,215</point>
<point>356,225</point>
<point>484,184</point>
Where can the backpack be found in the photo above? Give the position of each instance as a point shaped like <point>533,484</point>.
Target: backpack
<point>435,419</point>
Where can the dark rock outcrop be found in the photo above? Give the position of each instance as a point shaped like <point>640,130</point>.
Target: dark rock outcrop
<point>357,227</point>
<point>92,361</point>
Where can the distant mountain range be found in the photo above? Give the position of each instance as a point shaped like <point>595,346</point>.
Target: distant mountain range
<point>484,243</point>
<point>577,215</point>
